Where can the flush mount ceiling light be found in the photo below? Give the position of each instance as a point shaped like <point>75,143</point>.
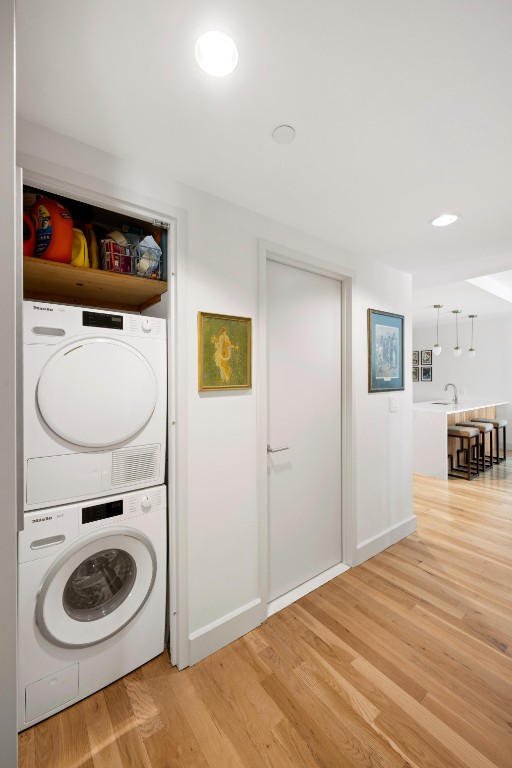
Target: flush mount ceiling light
<point>437,346</point>
<point>445,219</point>
<point>283,134</point>
<point>457,351</point>
<point>216,54</point>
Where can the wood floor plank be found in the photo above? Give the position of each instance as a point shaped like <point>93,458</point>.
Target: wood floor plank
<point>294,745</point>
<point>436,630</point>
<point>321,660</point>
<point>254,711</point>
<point>175,746</point>
<point>216,747</point>
<point>26,749</point>
<point>332,713</point>
<point>145,712</point>
<point>462,699</point>
<point>129,731</point>
<point>75,751</point>
<point>328,735</point>
<point>461,752</point>
<point>480,672</point>
<point>478,730</point>
<point>102,735</point>
<point>224,717</point>
<point>371,646</point>
<point>48,747</point>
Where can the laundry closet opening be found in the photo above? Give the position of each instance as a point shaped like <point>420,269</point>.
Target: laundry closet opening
<point>95,568</point>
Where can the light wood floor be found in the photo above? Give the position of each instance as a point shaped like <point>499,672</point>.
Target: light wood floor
<point>403,661</point>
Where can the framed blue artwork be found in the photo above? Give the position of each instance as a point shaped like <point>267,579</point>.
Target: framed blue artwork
<point>385,351</point>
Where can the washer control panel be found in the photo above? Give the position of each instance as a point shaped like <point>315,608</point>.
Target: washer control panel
<point>47,531</point>
<point>102,511</point>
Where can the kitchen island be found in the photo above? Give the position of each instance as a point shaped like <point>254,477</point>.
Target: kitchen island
<point>430,423</point>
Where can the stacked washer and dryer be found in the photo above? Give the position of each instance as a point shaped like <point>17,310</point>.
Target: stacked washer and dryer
<point>92,555</point>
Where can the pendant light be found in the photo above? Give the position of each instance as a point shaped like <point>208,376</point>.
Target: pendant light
<point>437,346</point>
<point>457,351</point>
<point>472,351</point>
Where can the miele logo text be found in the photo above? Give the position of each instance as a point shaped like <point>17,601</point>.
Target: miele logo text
<point>44,309</point>
<point>41,519</point>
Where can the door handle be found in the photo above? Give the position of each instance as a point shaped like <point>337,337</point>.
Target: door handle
<point>276,450</point>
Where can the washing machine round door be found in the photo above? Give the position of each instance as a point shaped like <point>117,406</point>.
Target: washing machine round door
<point>96,587</point>
<point>97,392</point>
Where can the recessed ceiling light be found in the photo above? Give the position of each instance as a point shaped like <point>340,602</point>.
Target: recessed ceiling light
<point>216,54</point>
<point>283,134</point>
<point>445,219</point>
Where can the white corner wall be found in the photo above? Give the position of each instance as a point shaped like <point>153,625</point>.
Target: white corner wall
<point>488,375</point>
<point>218,433</point>
<point>8,382</point>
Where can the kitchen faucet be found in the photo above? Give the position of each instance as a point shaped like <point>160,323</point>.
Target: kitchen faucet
<point>455,396</point>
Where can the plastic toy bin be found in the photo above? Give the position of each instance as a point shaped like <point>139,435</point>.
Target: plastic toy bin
<point>117,258</point>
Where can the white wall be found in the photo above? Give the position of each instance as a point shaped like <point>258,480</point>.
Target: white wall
<point>220,494</point>
<point>487,375</point>
<point>8,475</point>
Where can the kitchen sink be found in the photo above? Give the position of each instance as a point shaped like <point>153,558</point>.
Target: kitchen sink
<point>444,402</point>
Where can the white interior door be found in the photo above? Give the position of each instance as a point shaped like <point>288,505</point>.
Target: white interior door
<point>304,415</point>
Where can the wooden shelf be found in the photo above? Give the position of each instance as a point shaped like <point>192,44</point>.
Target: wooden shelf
<point>61,283</point>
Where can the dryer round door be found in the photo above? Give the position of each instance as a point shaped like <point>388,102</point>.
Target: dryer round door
<point>97,393</point>
<point>96,587</point>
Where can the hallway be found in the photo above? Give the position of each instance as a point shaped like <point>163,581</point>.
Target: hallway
<point>403,661</point>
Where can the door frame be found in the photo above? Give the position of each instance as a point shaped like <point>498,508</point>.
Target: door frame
<point>268,251</point>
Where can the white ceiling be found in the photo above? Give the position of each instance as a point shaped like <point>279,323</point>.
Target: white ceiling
<point>402,109</point>
<point>495,299</point>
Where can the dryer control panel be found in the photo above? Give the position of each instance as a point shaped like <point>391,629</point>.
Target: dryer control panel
<point>49,324</point>
<point>102,320</point>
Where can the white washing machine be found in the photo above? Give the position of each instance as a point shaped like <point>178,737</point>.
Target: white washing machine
<point>95,402</point>
<point>91,597</point>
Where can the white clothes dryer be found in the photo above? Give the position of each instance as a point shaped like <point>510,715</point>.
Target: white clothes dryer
<point>95,402</point>
<point>91,597</point>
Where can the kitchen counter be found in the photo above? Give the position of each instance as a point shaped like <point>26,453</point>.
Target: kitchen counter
<point>430,423</point>
<point>445,406</point>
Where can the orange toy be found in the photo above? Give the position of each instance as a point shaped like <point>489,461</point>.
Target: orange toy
<point>54,230</point>
<point>29,236</point>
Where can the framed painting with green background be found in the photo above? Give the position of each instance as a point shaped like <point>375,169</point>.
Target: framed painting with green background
<point>224,352</point>
<point>385,351</point>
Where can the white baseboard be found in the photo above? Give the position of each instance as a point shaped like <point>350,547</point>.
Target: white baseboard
<point>225,630</point>
<point>385,539</point>
<point>295,594</point>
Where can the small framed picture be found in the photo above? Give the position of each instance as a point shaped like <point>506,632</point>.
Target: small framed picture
<point>415,373</point>
<point>426,357</point>
<point>385,351</point>
<point>426,373</point>
<point>415,357</point>
<point>224,352</point>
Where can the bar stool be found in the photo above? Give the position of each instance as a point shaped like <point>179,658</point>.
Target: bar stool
<point>497,425</point>
<point>484,429</point>
<point>466,436</point>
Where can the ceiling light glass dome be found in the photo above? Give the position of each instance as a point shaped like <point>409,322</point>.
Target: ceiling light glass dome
<point>216,53</point>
